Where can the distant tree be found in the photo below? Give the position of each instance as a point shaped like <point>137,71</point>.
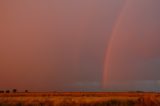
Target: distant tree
<point>14,90</point>
<point>7,91</point>
<point>26,91</point>
<point>1,91</point>
<point>139,91</point>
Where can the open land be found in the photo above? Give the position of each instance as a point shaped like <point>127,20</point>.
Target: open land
<point>80,99</point>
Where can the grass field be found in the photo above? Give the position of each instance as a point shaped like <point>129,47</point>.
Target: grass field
<point>80,99</point>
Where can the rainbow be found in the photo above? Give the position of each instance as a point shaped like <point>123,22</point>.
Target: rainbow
<point>111,42</point>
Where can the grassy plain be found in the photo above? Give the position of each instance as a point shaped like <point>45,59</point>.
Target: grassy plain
<point>80,99</point>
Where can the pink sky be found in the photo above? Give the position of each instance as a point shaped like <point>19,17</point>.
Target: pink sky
<point>62,45</point>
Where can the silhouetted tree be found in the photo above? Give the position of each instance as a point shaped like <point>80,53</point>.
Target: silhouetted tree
<point>7,91</point>
<point>14,90</point>
<point>26,91</point>
<point>1,91</point>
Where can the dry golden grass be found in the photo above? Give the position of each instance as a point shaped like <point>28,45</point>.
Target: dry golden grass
<point>80,99</point>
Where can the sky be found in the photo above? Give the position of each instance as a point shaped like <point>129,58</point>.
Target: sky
<point>79,45</point>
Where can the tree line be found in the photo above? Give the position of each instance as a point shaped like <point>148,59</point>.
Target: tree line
<point>11,91</point>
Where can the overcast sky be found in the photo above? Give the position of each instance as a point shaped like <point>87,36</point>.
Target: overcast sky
<point>72,45</point>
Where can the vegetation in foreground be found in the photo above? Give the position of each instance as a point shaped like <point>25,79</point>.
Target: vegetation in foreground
<point>80,99</point>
